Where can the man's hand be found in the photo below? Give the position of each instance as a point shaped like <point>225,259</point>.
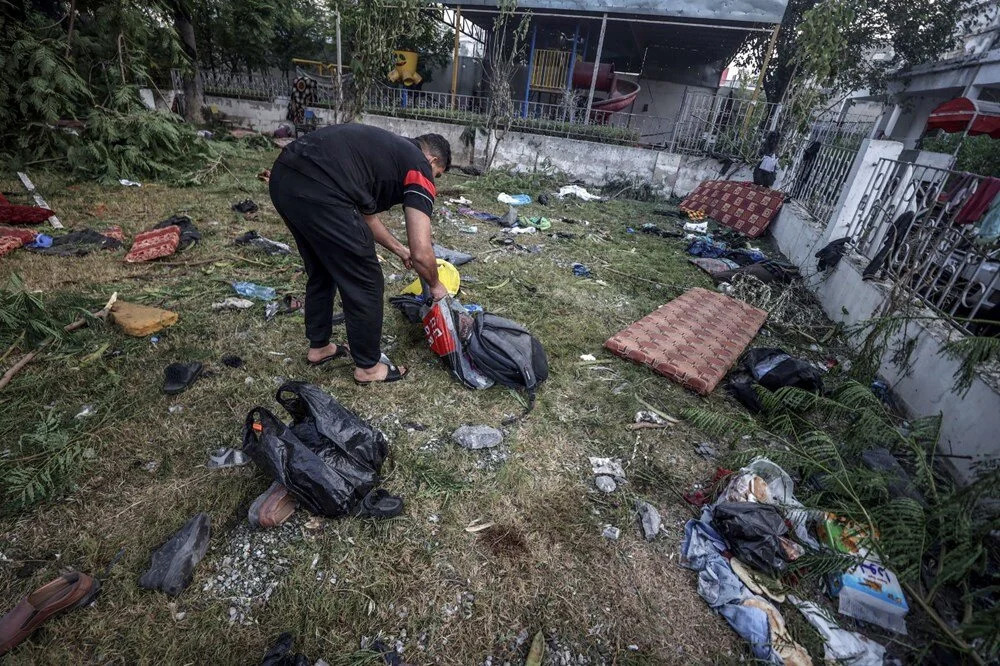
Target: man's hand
<point>438,292</point>
<point>403,253</point>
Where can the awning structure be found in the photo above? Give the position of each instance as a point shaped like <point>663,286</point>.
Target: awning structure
<point>962,113</point>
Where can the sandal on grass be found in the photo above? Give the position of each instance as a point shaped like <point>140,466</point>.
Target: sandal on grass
<point>379,504</point>
<point>393,375</point>
<point>179,376</point>
<point>342,351</point>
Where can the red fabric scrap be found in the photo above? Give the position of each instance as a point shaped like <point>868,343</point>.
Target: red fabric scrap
<point>154,244</point>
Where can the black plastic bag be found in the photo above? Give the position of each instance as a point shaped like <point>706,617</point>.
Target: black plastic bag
<point>775,369</point>
<point>328,458</point>
<point>753,533</point>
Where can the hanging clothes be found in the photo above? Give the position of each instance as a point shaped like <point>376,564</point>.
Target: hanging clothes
<point>979,202</point>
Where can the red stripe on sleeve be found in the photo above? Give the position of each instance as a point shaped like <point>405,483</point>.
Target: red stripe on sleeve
<point>414,177</point>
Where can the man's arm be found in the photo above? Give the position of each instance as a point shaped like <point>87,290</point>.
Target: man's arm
<point>418,234</point>
<point>385,238</point>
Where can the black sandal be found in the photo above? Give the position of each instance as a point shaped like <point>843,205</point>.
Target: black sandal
<point>393,375</point>
<point>379,504</point>
<point>179,376</point>
<point>342,351</point>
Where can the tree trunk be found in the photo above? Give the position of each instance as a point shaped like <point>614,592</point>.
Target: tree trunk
<point>194,96</point>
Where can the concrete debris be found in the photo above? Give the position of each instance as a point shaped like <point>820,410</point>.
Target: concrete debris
<point>477,437</point>
<point>608,467</point>
<point>649,417</point>
<point>588,357</point>
<point>611,532</point>
<point>649,518</point>
<point>707,450</point>
<point>605,484</point>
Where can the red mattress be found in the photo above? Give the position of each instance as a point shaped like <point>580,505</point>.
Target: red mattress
<point>694,339</point>
<point>745,207</point>
<point>154,244</point>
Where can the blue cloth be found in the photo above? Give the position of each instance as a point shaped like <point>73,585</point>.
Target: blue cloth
<point>989,230</point>
<point>722,589</point>
<point>707,248</point>
<point>41,241</point>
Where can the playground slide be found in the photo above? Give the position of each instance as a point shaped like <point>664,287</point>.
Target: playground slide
<point>623,94</point>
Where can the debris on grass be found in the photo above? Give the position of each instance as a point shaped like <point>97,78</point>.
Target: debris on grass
<point>649,519</point>
<point>477,437</point>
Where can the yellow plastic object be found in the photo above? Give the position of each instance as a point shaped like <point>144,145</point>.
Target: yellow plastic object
<point>406,69</point>
<point>448,275</point>
<point>141,320</point>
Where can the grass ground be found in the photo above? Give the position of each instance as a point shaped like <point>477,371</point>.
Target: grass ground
<point>422,581</point>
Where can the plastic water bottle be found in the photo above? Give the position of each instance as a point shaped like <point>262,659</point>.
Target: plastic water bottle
<point>251,290</point>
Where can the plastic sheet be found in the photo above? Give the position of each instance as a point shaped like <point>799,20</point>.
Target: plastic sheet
<point>328,458</point>
<point>753,532</point>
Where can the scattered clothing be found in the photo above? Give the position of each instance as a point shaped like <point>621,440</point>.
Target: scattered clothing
<point>977,204</point>
<point>303,94</point>
<point>246,207</point>
<point>280,654</point>
<point>189,233</point>
<point>767,271</point>
<point>891,243</point>
<point>775,369</point>
<point>831,254</point>
<point>41,242</point>
<point>173,563</point>
<point>483,216</point>
<point>232,361</point>
<point>653,230</point>
<point>76,244</point>
<point>753,532</point>
<point>713,266</point>
<point>578,192</point>
<point>266,245</point>
<point>766,172</point>
<point>580,270</point>
<point>514,199</point>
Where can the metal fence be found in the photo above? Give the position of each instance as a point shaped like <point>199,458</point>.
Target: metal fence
<point>245,86</point>
<point>723,125</point>
<point>818,176</point>
<point>915,224</point>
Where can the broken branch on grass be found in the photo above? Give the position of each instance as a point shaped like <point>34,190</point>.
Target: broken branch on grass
<point>648,426</point>
<point>68,328</point>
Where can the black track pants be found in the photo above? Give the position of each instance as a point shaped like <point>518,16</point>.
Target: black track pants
<point>338,251</point>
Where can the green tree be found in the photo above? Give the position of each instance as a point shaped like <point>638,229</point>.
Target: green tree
<point>902,31</point>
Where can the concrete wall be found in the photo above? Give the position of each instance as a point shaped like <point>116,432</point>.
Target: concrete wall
<point>460,154</point>
<point>971,421</point>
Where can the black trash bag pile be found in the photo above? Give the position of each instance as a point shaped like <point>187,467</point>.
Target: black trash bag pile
<point>753,532</point>
<point>173,563</point>
<point>327,457</point>
<point>773,369</point>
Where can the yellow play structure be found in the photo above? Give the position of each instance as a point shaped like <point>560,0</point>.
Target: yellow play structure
<point>406,69</point>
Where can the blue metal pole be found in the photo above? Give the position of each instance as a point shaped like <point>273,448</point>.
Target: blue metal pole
<point>572,57</point>
<point>531,65</point>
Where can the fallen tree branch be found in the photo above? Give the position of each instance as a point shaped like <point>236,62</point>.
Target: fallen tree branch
<point>68,328</point>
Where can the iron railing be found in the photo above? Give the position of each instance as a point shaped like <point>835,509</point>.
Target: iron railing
<point>245,86</point>
<point>723,125</point>
<point>914,224</point>
<point>817,178</point>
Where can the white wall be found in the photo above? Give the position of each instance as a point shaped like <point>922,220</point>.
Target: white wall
<point>971,421</point>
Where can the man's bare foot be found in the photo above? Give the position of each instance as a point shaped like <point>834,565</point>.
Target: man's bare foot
<point>317,355</point>
<point>376,373</point>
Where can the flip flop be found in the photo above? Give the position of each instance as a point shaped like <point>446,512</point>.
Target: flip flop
<point>71,590</point>
<point>342,351</point>
<point>393,375</point>
<point>179,376</point>
<point>379,504</point>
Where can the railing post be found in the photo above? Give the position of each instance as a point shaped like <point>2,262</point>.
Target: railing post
<point>597,66</point>
<point>862,170</point>
<point>531,65</point>
<point>455,63</point>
